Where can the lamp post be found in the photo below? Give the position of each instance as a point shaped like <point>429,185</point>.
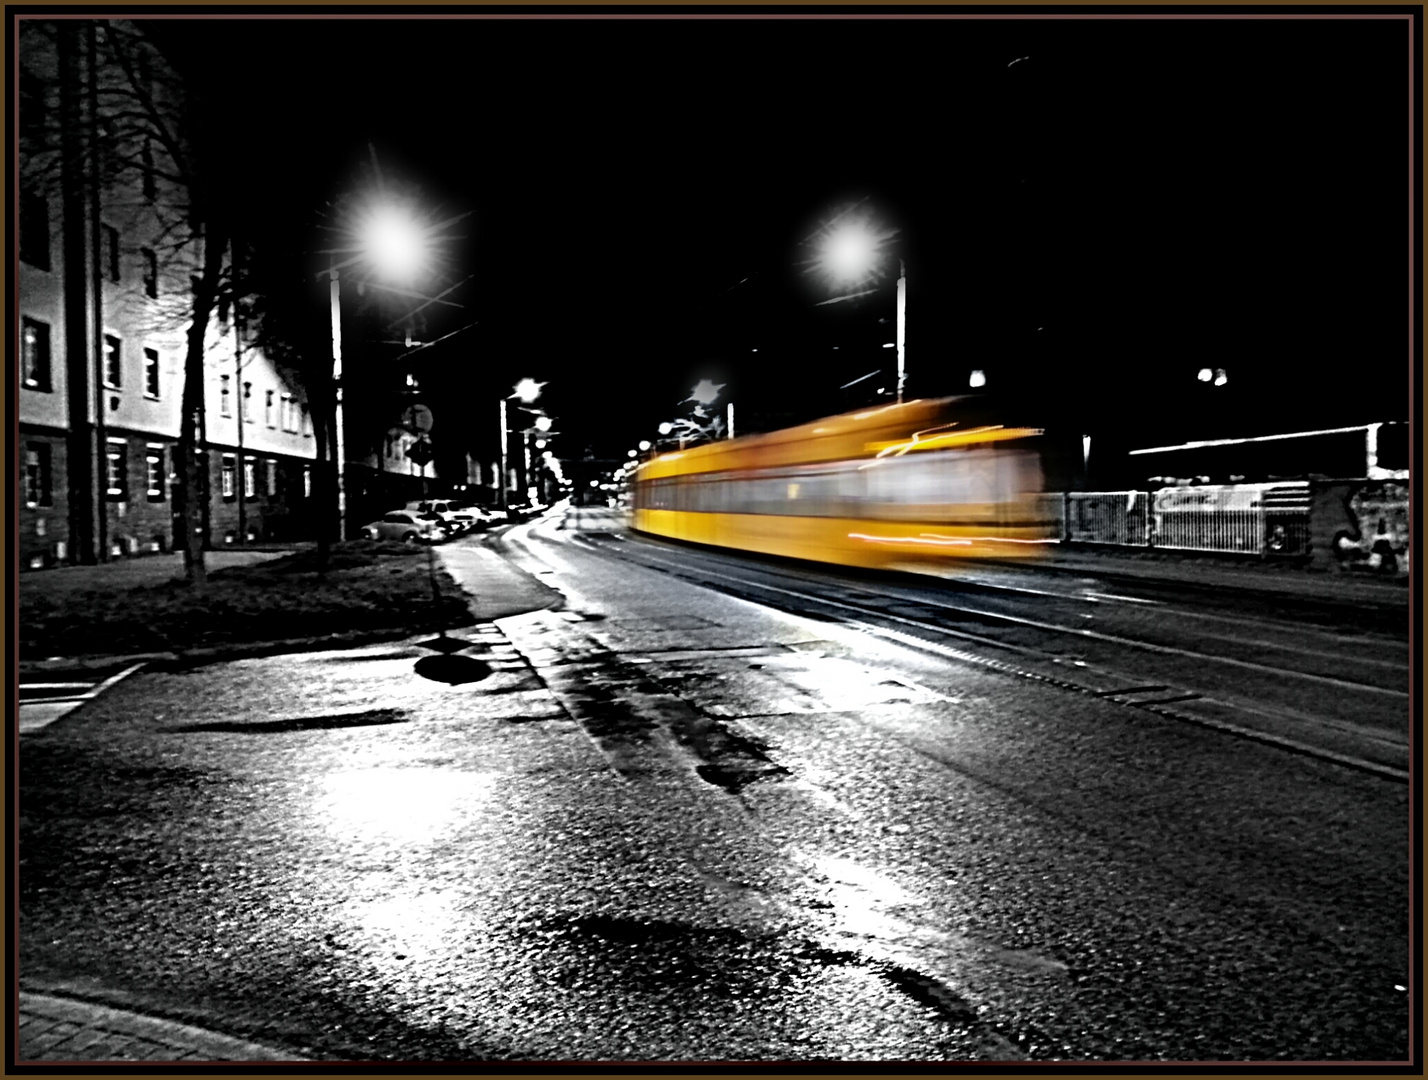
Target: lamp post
<point>394,243</point>
<point>901,327</point>
<point>849,252</point>
<point>527,390</point>
<point>338,448</point>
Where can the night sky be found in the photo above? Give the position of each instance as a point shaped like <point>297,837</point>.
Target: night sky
<point>1089,209</point>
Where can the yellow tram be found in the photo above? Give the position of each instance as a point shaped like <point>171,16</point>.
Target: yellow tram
<point>883,486</point>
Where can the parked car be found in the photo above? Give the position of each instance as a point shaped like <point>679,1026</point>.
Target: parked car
<point>482,517</point>
<point>485,516</point>
<point>408,526</point>
<point>456,518</point>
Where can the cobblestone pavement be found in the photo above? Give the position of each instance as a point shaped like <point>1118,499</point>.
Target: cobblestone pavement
<point>65,1029</point>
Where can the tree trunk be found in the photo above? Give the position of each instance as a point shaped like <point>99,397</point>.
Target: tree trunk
<point>325,493</point>
<point>204,294</point>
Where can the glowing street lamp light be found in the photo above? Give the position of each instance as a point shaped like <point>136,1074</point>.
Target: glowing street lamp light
<point>705,391</point>
<point>394,239</point>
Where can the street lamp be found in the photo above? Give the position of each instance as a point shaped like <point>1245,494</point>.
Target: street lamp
<point>527,390</point>
<point>395,244</point>
<point>849,252</point>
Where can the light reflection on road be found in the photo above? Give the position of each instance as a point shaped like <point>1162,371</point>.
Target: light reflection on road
<point>400,805</point>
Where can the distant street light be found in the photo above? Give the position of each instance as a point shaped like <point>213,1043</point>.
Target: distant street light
<point>979,378</point>
<point>705,391</point>
<point>527,390</point>
<point>644,444</point>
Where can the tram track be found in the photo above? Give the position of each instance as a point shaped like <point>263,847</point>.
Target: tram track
<point>918,622</point>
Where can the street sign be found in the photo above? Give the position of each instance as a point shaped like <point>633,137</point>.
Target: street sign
<point>419,452</point>
<point>417,418</point>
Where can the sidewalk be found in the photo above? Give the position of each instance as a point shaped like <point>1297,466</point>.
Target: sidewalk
<point>65,1029</point>
<point>494,589</point>
<point>1247,574</point>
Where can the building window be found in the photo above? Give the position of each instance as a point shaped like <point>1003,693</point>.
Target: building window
<point>307,481</point>
<point>154,467</point>
<point>35,355</point>
<point>246,404</point>
<point>250,478</point>
<point>306,424</point>
<point>286,412</point>
<point>151,273</point>
<point>270,477</point>
<point>37,475</point>
<point>228,477</point>
<point>151,372</point>
<point>225,406</point>
<point>151,186</point>
<point>113,362</point>
<point>268,415</point>
<point>35,231</point>
<point>117,477</point>
<point>110,240</point>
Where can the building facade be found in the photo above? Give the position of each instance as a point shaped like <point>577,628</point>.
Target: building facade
<point>108,250</point>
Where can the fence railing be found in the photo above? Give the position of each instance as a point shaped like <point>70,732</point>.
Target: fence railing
<point>1258,519</point>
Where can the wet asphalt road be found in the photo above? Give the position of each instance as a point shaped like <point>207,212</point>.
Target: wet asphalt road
<point>671,824</point>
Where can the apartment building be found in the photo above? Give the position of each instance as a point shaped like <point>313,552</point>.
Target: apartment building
<point>108,249</point>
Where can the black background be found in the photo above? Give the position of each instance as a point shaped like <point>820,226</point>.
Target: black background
<point>1090,208</point>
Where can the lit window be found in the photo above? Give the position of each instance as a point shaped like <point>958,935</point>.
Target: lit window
<point>35,355</point>
<point>113,362</point>
<point>307,481</point>
<point>246,403</point>
<point>228,477</point>
<point>117,470</point>
<point>154,468</point>
<point>225,406</point>
<point>250,478</point>
<point>151,372</point>
<point>268,410</point>
<point>37,475</point>
<point>306,424</point>
<point>270,477</point>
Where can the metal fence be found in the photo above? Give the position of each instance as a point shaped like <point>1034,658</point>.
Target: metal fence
<point>1255,519</point>
<point>1106,517</point>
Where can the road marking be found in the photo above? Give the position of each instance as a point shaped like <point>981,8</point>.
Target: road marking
<point>38,713</point>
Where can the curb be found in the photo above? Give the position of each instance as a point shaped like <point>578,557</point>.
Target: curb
<point>191,658</point>
<point>54,1028</point>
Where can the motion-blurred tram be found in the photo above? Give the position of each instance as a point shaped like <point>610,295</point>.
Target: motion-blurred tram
<point>888,485</point>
